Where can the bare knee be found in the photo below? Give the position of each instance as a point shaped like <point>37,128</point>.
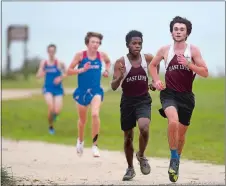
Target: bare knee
<point>58,107</point>
<point>143,124</point>
<point>172,115</point>
<point>173,123</point>
<point>144,131</point>
<point>95,115</point>
<point>95,107</point>
<point>82,121</point>
<point>57,110</point>
<point>50,108</point>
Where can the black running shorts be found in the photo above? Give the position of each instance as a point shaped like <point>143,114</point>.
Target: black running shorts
<point>183,102</point>
<point>133,108</point>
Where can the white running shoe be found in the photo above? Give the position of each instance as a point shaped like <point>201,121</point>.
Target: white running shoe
<point>79,147</point>
<point>95,151</point>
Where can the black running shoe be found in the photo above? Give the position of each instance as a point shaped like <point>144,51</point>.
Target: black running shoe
<point>174,170</point>
<point>144,165</point>
<point>130,174</point>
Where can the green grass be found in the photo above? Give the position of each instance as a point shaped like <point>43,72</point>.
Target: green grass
<point>33,82</point>
<point>26,119</point>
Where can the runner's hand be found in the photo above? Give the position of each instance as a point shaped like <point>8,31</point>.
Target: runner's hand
<point>57,80</point>
<point>87,66</point>
<point>159,85</point>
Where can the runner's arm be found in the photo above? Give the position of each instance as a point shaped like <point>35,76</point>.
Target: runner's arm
<point>71,69</point>
<point>149,58</point>
<point>106,61</point>
<point>155,65</point>
<point>199,67</point>
<point>117,75</point>
<point>41,72</point>
<point>63,68</point>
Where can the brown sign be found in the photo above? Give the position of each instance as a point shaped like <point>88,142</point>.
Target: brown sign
<point>17,33</point>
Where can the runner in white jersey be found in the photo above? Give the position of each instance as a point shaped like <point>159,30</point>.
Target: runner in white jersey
<point>182,62</point>
<point>131,71</point>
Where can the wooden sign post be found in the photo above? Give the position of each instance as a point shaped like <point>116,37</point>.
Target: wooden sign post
<point>17,33</point>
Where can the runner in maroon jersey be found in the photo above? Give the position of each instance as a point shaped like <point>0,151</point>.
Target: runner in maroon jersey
<point>182,61</point>
<point>132,71</point>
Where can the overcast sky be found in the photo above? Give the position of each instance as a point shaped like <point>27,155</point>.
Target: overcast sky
<point>66,23</point>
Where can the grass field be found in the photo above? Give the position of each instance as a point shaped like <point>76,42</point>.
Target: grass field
<point>33,82</point>
<point>26,119</point>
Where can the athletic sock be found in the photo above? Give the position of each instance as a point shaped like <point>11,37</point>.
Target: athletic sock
<point>51,127</point>
<point>174,154</point>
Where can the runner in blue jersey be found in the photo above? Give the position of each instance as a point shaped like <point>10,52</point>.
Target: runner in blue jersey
<point>89,90</point>
<point>53,72</point>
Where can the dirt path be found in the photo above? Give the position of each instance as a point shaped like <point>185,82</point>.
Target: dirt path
<point>44,163</point>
